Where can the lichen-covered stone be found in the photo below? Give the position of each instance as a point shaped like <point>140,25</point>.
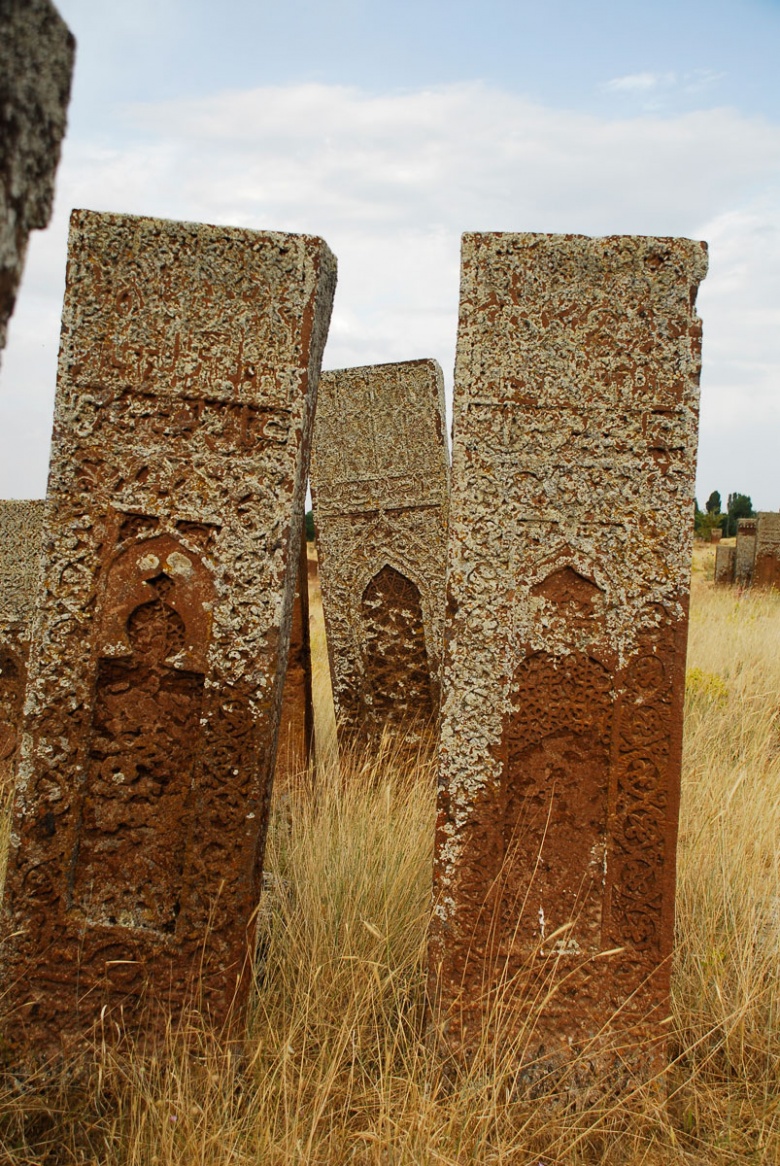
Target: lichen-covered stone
<point>574,448</point>
<point>36,63</point>
<point>296,724</point>
<point>745,551</point>
<point>20,547</point>
<point>187,375</point>
<point>380,491</point>
<point>766,569</point>
<point>725,564</point>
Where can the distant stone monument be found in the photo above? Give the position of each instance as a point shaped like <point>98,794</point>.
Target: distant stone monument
<point>766,569</point>
<point>574,448</point>
<point>188,369</point>
<point>20,548</point>
<point>745,552</point>
<point>716,534</point>
<point>36,63</point>
<point>380,491</point>
<point>296,725</point>
<point>725,564</point>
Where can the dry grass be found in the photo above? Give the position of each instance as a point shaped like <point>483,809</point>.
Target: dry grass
<point>336,1070</point>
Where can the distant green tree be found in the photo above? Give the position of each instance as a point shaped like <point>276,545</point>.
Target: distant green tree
<point>738,506</point>
<point>713,502</point>
<point>705,521</point>
<point>309,526</point>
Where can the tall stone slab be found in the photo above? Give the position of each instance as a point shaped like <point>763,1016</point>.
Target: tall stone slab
<point>187,375</point>
<point>36,64</point>
<point>296,725</point>
<point>745,552</point>
<point>574,447</point>
<point>766,570</point>
<point>20,548</point>
<point>725,565</point>
<point>380,487</point>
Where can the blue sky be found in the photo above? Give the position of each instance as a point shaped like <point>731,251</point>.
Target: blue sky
<point>391,128</point>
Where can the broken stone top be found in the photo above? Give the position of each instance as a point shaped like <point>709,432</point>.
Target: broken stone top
<point>380,442</point>
<point>20,539</point>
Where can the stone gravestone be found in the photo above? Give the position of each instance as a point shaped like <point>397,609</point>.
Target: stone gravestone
<point>574,448</point>
<point>716,534</point>
<point>296,723</point>
<point>380,493</point>
<point>766,570</point>
<point>187,375</point>
<point>725,565</point>
<point>36,63</point>
<point>745,551</point>
<point>20,547</point>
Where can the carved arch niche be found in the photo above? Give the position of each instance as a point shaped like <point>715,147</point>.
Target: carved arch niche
<point>396,674</point>
<point>153,631</point>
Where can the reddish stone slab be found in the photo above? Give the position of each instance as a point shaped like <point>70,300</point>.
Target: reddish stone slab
<point>36,64</point>
<point>574,448</point>
<point>745,551</point>
<point>380,491</point>
<point>188,369</point>
<point>20,549</point>
<point>766,569</point>
<point>294,753</point>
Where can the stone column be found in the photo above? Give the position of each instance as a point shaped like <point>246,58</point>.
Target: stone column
<point>766,570</point>
<point>187,376</point>
<point>745,554</point>
<point>725,565</point>
<point>36,63</point>
<point>380,491</point>
<point>574,449</point>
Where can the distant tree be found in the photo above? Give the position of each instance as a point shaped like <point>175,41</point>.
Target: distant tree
<point>705,521</point>
<point>713,503</point>
<point>309,526</point>
<point>738,506</point>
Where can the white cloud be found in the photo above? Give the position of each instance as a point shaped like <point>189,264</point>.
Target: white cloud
<point>640,82</point>
<point>391,182</point>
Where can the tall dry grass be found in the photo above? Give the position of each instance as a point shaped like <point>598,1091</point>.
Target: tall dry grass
<point>336,1068</point>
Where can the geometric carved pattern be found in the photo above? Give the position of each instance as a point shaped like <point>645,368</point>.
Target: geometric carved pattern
<point>189,362</point>
<point>575,410</point>
<point>380,487</point>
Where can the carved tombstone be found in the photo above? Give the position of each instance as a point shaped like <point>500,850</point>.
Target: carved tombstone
<point>36,63</point>
<point>574,448</point>
<point>766,570</point>
<point>20,547</point>
<point>296,723</point>
<point>716,534</point>
<point>187,374</point>
<point>745,552</point>
<point>725,565</point>
<point>380,490</point>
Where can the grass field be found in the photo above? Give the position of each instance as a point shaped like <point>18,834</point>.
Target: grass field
<point>337,1070</point>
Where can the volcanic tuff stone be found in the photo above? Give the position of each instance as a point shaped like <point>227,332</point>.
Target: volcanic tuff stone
<point>725,564</point>
<point>766,569</point>
<point>745,553</point>
<point>296,723</point>
<point>380,491</point>
<point>20,547</point>
<point>188,369</point>
<point>574,444</point>
<point>36,63</point>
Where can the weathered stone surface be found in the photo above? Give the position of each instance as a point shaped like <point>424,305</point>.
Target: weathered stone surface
<point>725,564</point>
<point>574,447</point>
<point>716,534</point>
<point>296,724</point>
<point>380,489</point>
<point>36,63</point>
<point>20,546</point>
<point>188,368</point>
<point>745,551</point>
<point>766,570</point>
